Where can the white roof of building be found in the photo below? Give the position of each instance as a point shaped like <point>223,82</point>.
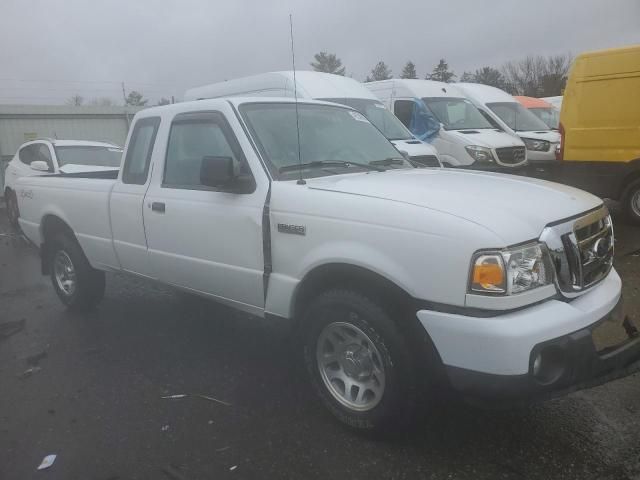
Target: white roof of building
<point>88,110</point>
<point>309,85</point>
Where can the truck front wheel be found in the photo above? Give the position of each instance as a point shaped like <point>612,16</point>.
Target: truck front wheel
<point>78,285</point>
<point>631,201</point>
<point>358,361</point>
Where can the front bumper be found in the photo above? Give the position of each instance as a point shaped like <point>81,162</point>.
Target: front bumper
<point>495,358</point>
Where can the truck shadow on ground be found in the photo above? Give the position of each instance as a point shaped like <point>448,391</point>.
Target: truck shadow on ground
<point>187,344</point>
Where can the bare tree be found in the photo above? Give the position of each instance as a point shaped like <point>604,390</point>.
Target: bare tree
<point>164,101</point>
<point>102,102</point>
<point>537,76</point>
<point>75,100</point>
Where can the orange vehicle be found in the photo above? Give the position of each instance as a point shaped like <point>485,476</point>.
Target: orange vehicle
<point>541,109</point>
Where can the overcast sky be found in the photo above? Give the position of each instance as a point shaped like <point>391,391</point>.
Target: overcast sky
<point>51,49</point>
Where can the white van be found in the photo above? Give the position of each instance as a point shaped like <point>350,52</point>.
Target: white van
<point>328,87</point>
<point>555,101</point>
<point>441,114</point>
<point>507,113</point>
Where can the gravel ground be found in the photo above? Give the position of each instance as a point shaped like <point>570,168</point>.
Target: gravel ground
<point>94,398</point>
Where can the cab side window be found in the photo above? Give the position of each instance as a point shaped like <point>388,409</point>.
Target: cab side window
<point>403,109</point>
<point>26,154</point>
<point>194,136</point>
<point>136,163</point>
<point>36,151</point>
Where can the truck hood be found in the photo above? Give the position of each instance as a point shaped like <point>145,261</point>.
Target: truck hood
<point>74,168</point>
<point>514,208</point>
<point>486,137</point>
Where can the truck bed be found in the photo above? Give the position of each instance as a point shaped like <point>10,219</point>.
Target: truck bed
<point>81,200</point>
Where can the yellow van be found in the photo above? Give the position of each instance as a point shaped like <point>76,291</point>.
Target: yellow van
<point>600,126</point>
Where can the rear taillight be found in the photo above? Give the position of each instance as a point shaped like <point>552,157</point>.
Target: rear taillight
<point>560,147</point>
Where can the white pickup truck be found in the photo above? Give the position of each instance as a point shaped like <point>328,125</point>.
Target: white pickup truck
<point>399,280</point>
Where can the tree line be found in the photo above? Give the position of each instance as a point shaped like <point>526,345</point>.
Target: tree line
<point>134,99</point>
<point>533,75</point>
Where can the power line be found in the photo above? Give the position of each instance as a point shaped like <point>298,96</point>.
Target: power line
<point>115,82</point>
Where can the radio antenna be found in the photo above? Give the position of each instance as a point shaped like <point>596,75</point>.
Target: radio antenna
<point>295,95</point>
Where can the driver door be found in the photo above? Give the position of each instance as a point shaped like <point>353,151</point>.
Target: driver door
<point>199,237</point>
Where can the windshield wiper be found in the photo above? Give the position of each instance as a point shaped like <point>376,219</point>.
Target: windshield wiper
<point>328,163</point>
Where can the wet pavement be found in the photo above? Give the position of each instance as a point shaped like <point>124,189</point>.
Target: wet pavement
<point>93,397</point>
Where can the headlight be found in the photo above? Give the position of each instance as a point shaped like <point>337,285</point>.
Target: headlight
<point>511,271</point>
<point>479,154</point>
<point>536,145</point>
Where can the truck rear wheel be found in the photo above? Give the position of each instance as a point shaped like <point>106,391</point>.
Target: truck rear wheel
<point>78,285</point>
<point>358,362</point>
<point>631,202</point>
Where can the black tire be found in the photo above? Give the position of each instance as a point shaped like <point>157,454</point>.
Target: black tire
<point>12,208</point>
<point>631,202</point>
<point>89,282</point>
<point>396,405</point>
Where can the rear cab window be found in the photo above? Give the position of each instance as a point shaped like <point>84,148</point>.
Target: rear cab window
<point>36,151</point>
<point>136,164</point>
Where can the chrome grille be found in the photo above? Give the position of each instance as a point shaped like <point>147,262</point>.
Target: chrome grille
<point>582,250</point>
<point>426,160</point>
<point>511,155</point>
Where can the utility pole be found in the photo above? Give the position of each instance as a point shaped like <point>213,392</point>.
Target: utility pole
<point>126,114</point>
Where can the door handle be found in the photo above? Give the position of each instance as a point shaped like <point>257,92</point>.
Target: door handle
<point>158,207</point>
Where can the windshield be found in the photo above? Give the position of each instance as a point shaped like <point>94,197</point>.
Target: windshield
<point>550,116</point>
<point>456,113</point>
<point>94,156</point>
<point>517,118</point>
<point>385,121</point>
<point>326,134</point>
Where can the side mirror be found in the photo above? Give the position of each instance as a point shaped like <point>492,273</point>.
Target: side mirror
<point>39,166</point>
<point>216,172</point>
<point>404,154</point>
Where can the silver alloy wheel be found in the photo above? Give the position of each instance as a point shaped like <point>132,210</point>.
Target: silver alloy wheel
<point>635,202</point>
<point>350,365</point>
<point>64,273</point>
